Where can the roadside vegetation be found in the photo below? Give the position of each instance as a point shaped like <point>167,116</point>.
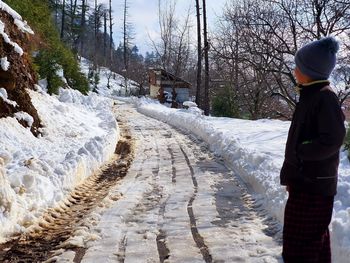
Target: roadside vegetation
<point>49,53</point>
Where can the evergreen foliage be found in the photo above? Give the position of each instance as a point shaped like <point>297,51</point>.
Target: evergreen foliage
<point>223,105</point>
<point>52,53</point>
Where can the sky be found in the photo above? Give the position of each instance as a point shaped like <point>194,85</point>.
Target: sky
<point>144,18</point>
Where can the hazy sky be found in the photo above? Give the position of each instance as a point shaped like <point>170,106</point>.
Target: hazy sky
<point>144,17</point>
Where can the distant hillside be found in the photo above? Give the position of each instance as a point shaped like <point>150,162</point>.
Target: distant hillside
<point>111,84</point>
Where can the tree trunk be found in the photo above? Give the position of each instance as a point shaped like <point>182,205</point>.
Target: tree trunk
<point>199,56</point>
<point>56,12</point>
<point>63,18</point>
<point>73,40</point>
<point>110,34</point>
<point>105,39</point>
<point>125,47</point>
<point>206,62</point>
<point>95,37</point>
<point>82,26</point>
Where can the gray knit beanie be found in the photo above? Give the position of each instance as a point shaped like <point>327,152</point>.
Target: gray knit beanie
<point>317,59</point>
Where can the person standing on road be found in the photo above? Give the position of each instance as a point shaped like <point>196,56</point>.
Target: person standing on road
<point>310,168</point>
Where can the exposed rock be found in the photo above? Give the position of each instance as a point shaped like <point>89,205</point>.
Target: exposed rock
<point>19,74</point>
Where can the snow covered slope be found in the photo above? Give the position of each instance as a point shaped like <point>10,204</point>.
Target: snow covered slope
<point>116,81</point>
<point>79,134</point>
<point>255,150</point>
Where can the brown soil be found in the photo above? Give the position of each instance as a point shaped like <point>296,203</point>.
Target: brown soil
<point>20,75</point>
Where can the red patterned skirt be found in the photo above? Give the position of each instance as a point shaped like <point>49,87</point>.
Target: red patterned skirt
<point>305,231</point>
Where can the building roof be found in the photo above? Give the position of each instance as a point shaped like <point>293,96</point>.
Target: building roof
<point>167,76</point>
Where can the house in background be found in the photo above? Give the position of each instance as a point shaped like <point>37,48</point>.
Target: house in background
<point>163,82</point>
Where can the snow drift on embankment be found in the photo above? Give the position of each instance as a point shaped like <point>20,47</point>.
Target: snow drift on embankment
<point>79,134</point>
<point>48,144</point>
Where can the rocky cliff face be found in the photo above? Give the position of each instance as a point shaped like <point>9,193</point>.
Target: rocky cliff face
<point>16,72</point>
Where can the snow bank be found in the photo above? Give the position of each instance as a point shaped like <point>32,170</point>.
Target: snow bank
<point>21,115</point>
<point>79,133</point>
<point>255,151</point>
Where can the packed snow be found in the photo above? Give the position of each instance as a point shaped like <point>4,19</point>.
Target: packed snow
<point>255,151</point>
<point>154,201</point>
<point>79,134</point>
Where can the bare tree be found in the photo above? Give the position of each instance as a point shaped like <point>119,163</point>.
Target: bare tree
<point>105,36</point>
<point>110,33</point>
<point>265,36</point>
<point>96,29</point>
<point>173,49</point>
<point>342,85</point>
<point>82,25</point>
<point>125,44</point>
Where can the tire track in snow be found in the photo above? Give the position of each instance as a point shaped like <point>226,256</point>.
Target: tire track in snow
<point>150,232</point>
<point>173,176</point>
<point>163,251</point>
<point>236,207</point>
<point>151,200</point>
<point>198,239</point>
<point>122,248</point>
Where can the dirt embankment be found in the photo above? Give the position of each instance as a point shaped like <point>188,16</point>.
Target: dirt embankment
<point>19,76</point>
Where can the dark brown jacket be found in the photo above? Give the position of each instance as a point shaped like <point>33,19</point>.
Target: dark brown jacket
<point>315,136</point>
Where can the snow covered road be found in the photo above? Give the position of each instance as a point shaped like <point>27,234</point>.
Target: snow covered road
<point>164,197</point>
<point>180,204</point>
